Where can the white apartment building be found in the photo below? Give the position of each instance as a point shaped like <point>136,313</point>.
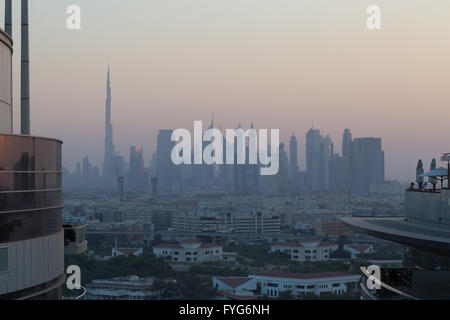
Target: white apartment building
<point>195,222</point>
<point>126,288</point>
<point>240,222</point>
<point>251,222</point>
<point>273,283</point>
<point>189,251</point>
<point>306,249</point>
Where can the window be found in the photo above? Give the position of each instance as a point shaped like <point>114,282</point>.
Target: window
<point>3,259</point>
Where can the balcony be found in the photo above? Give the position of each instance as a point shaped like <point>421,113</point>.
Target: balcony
<point>75,238</point>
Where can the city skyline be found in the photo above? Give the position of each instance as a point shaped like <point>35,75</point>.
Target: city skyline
<point>271,72</point>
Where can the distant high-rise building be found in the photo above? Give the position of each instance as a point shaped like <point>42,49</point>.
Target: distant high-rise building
<point>245,176</point>
<point>339,175</point>
<point>346,143</point>
<point>208,170</point>
<point>224,169</point>
<point>87,174</point>
<point>153,164</point>
<point>367,163</point>
<point>293,157</point>
<point>119,165</point>
<point>109,163</point>
<point>168,174</point>
<point>137,172</point>
<point>284,178</point>
<point>319,151</point>
<point>346,177</point>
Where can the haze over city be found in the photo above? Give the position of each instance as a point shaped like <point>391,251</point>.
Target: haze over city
<point>280,66</point>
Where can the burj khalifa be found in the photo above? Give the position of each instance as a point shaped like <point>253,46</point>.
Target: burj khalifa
<point>109,173</point>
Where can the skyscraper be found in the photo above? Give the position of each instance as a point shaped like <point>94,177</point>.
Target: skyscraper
<point>319,151</point>
<point>208,170</point>
<point>168,174</point>
<point>87,174</point>
<point>31,230</point>
<point>137,178</point>
<point>346,143</point>
<point>109,174</point>
<point>345,164</point>
<point>293,160</point>
<point>367,163</point>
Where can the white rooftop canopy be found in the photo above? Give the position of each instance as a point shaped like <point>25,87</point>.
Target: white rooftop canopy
<point>441,172</point>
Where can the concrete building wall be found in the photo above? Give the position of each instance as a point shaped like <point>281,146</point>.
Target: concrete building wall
<point>32,262</point>
<point>428,207</point>
<point>5,84</point>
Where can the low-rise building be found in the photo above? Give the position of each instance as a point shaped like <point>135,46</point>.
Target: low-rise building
<point>331,227</point>
<point>116,252</point>
<point>235,288</point>
<point>234,284</point>
<point>272,283</point>
<point>306,249</point>
<point>358,249</point>
<point>240,222</point>
<point>126,288</point>
<point>230,256</point>
<point>252,222</point>
<point>191,250</point>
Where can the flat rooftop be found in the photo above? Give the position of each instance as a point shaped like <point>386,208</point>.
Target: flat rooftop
<point>425,236</point>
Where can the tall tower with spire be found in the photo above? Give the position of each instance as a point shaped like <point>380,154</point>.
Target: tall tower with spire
<point>109,160</point>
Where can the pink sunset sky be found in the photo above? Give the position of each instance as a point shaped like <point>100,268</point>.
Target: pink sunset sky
<point>278,63</point>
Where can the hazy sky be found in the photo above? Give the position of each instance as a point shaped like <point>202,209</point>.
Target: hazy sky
<point>279,63</point>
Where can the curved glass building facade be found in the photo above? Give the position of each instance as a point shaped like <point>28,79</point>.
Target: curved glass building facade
<point>31,228</point>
